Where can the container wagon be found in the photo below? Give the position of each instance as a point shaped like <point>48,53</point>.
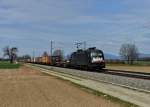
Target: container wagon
<point>46,60</point>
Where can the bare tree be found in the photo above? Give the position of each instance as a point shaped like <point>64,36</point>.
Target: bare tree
<point>59,52</point>
<point>24,58</point>
<point>68,56</point>
<point>129,52</point>
<point>45,54</point>
<point>11,53</point>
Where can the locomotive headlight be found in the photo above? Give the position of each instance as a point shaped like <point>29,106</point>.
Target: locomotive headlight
<point>97,59</point>
<point>100,59</point>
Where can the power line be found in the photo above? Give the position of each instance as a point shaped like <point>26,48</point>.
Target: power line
<point>78,44</point>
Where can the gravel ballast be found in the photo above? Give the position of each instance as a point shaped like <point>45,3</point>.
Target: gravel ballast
<point>140,84</point>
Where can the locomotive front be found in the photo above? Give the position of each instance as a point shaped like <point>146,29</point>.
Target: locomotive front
<point>97,59</point>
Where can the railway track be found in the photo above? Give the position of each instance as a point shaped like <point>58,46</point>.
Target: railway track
<point>130,74</point>
<point>122,84</point>
<point>131,80</point>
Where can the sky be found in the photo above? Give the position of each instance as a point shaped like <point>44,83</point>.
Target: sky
<point>30,25</point>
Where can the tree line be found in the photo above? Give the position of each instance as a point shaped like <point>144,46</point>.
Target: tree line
<point>128,52</point>
<point>12,54</point>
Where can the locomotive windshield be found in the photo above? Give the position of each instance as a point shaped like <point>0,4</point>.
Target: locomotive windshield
<point>96,54</point>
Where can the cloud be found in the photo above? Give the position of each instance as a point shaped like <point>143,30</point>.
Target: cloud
<point>106,23</point>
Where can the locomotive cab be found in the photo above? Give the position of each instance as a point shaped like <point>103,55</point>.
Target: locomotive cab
<point>91,58</point>
<point>97,59</point>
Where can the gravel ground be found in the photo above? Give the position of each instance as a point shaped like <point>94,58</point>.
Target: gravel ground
<point>26,87</point>
<point>127,81</point>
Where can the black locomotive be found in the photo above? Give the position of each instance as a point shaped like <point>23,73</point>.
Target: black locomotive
<point>91,58</point>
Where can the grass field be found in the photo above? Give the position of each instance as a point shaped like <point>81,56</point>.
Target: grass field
<point>8,65</point>
<point>142,63</point>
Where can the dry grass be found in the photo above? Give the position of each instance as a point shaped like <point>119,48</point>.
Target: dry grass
<point>26,87</point>
<point>129,68</point>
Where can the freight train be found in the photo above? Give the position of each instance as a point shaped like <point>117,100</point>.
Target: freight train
<point>91,58</point>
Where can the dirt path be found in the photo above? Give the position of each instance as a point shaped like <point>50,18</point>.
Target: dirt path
<point>29,88</point>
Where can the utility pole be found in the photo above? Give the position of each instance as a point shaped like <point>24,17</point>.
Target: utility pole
<point>84,45</point>
<point>51,48</point>
<point>33,55</point>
